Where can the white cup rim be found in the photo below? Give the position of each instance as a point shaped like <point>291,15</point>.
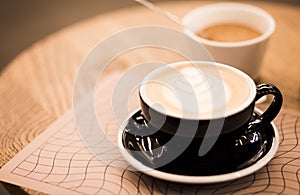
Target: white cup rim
<point>241,6</point>
<point>244,105</point>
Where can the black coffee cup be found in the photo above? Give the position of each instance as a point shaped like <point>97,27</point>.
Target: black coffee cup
<point>208,138</point>
<point>231,121</point>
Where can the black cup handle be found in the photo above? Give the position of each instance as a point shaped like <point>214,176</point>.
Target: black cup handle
<point>273,109</point>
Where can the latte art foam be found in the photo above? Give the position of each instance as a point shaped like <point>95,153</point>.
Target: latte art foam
<point>197,91</point>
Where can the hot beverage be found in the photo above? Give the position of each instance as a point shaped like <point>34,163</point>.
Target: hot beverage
<point>229,32</point>
<point>198,118</point>
<point>197,91</point>
<point>233,33</point>
<point>187,97</point>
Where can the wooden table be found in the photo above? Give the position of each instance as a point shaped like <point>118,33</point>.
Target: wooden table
<point>36,87</point>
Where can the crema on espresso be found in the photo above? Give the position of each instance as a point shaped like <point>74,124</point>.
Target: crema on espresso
<point>197,91</point>
<point>229,32</point>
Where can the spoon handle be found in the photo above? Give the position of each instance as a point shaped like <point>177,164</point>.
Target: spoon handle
<point>160,11</point>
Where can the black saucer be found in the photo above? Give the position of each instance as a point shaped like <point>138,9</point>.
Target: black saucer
<point>231,153</point>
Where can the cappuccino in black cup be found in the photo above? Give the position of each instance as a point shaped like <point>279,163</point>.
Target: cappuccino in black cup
<point>198,118</point>
<point>202,92</point>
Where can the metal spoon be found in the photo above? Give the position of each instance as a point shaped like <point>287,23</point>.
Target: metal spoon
<point>169,15</point>
<point>160,11</point>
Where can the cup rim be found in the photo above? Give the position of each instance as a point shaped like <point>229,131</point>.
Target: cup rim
<point>232,112</point>
<point>241,6</point>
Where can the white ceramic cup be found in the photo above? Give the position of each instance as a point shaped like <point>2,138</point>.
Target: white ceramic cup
<point>244,55</point>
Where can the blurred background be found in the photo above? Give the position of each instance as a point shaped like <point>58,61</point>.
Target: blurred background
<point>24,22</point>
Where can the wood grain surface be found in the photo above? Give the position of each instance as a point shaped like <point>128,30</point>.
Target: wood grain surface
<point>36,88</point>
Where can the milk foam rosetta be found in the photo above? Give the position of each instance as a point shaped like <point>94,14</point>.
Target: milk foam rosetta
<point>196,91</point>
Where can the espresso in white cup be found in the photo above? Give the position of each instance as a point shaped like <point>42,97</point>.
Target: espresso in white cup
<point>245,55</point>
